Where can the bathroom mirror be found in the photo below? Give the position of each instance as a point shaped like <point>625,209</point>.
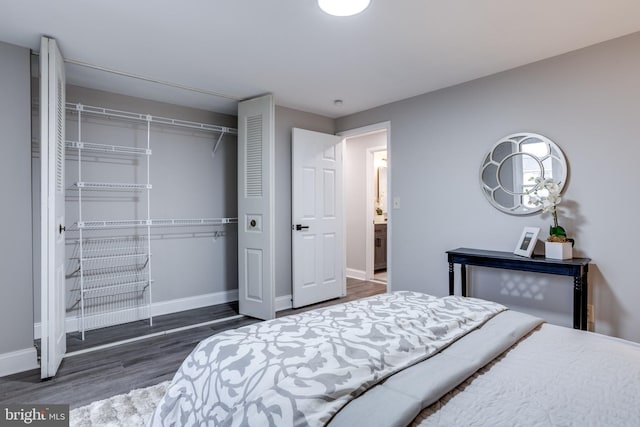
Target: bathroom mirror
<point>381,188</point>
<point>508,170</point>
<point>380,177</point>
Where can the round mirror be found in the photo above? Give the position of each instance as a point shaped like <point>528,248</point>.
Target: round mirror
<point>509,168</point>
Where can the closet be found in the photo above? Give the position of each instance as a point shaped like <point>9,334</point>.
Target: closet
<point>135,246</point>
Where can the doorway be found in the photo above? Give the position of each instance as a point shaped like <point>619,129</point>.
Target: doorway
<point>367,223</point>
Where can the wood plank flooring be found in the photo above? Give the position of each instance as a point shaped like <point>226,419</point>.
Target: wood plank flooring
<point>98,337</point>
<point>100,374</point>
<point>356,289</point>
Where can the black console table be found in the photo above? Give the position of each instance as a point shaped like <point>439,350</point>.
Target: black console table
<point>576,267</point>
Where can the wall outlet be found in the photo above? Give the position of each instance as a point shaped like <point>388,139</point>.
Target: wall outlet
<point>591,316</point>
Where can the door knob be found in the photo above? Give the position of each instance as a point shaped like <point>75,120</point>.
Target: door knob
<point>61,229</point>
<point>300,227</point>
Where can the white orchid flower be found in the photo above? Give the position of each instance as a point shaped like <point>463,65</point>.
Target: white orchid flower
<point>546,193</point>
<point>547,206</point>
<point>553,188</point>
<point>553,199</point>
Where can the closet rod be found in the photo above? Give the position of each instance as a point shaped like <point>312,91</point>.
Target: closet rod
<point>149,118</point>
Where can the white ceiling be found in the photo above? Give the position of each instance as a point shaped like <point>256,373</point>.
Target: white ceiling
<point>242,48</point>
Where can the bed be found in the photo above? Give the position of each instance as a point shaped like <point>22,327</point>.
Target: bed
<point>401,359</point>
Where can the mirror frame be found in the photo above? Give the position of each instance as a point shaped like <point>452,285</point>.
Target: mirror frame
<point>517,140</point>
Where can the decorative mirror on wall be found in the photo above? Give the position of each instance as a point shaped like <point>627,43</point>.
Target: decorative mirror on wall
<point>510,166</point>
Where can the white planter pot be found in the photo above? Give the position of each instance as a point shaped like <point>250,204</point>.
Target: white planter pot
<point>558,250</point>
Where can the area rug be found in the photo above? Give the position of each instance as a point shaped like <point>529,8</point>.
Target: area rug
<point>127,410</point>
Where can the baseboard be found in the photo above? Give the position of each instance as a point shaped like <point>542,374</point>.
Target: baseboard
<point>190,303</point>
<point>72,324</point>
<point>18,361</point>
<point>356,274</point>
<point>283,303</point>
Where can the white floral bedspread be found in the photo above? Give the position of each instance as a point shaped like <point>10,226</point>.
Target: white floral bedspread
<point>300,370</point>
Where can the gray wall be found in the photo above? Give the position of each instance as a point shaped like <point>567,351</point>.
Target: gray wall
<point>286,119</point>
<point>16,314</point>
<point>356,195</point>
<point>588,103</point>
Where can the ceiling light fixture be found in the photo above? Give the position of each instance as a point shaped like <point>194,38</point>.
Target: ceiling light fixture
<point>343,7</point>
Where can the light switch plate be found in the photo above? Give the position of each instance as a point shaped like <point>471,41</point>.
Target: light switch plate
<point>396,203</point>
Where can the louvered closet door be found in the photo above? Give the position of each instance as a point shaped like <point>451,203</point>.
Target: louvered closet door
<point>256,283</point>
<point>52,241</point>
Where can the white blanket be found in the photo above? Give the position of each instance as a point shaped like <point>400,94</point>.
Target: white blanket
<point>300,370</point>
<point>554,377</point>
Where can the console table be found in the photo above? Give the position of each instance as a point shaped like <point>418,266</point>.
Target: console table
<point>576,268</point>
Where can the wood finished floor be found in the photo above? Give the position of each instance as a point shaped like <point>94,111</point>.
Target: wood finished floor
<point>164,323</point>
<point>356,289</point>
<point>100,374</point>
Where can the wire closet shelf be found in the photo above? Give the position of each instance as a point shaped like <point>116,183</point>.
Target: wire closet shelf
<point>113,270</point>
<point>109,112</point>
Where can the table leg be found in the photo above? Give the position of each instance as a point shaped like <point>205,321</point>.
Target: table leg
<point>463,279</point>
<point>450,278</point>
<point>577,302</point>
<point>585,296</point>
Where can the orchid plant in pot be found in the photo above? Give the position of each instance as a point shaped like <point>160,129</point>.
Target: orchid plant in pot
<point>546,193</point>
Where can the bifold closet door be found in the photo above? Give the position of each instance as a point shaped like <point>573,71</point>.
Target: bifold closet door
<point>256,272</point>
<point>52,238</point>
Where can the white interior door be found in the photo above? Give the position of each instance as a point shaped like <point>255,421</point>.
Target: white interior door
<point>317,215</point>
<point>256,272</point>
<point>52,245</point>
